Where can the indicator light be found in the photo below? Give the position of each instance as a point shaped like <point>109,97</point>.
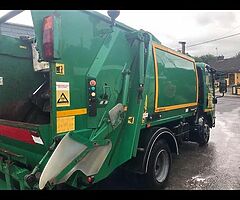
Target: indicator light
<point>92,102</point>
<point>92,83</point>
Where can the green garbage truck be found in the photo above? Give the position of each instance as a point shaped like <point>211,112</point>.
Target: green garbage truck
<point>88,95</point>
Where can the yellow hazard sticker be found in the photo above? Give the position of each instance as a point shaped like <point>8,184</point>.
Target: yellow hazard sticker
<point>60,69</point>
<point>62,94</point>
<point>131,120</point>
<point>65,124</point>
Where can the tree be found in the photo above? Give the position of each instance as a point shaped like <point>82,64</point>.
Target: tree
<point>208,58</point>
<point>237,55</point>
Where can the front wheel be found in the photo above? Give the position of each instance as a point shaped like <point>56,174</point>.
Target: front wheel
<point>204,132</point>
<point>159,165</point>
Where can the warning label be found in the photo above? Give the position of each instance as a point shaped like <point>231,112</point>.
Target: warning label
<point>131,120</point>
<point>63,99</point>
<point>65,124</point>
<point>62,94</point>
<point>59,68</point>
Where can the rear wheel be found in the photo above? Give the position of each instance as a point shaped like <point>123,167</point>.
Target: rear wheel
<point>159,165</point>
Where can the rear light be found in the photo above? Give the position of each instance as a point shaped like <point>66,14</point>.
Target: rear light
<point>48,51</point>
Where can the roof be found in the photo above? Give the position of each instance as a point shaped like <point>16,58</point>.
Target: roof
<point>16,30</point>
<point>229,65</point>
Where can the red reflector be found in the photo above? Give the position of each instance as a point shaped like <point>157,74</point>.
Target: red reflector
<point>48,37</point>
<point>90,179</point>
<point>19,134</point>
<point>35,134</point>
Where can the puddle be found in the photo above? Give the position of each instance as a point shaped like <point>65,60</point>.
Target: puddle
<point>198,182</point>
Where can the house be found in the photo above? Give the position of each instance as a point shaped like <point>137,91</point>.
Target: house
<point>230,67</point>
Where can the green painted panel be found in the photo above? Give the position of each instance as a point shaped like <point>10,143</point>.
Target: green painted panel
<point>3,185</point>
<point>176,80</point>
<point>19,80</point>
<point>14,47</point>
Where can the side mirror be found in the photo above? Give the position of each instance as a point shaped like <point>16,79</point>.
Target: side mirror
<point>223,86</point>
<point>214,100</point>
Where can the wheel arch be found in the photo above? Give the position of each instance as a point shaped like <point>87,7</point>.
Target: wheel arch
<point>148,137</point>
<point>159,133</point>
<point>210,119</point>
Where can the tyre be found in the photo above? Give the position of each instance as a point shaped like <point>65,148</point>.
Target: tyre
<point>159,166</point>
<point>204,132</point>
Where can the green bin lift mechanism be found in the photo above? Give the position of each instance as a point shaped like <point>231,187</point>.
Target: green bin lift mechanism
<point>88,95</point>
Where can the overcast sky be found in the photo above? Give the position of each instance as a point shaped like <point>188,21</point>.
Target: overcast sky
<point>172,26</point>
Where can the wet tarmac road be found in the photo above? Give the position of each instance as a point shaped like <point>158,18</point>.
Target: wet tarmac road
<point>214,167</point>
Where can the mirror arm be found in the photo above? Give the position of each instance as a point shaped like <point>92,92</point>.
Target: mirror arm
<point>220,96</point>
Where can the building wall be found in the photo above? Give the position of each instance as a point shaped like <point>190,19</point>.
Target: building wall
<point>227,79</point>
<point>231,79</point>
<point>237,78</point>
